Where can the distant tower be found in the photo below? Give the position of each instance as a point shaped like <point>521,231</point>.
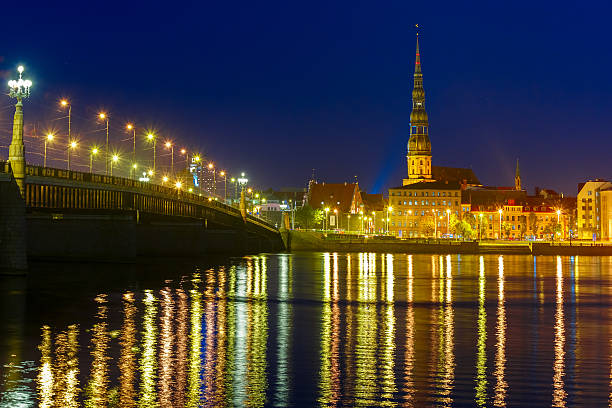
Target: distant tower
<point>517,177</point>
<point>419,146</point>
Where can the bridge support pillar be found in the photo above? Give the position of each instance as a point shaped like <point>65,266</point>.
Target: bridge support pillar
<point>17,149</point>
<point>13,249</point>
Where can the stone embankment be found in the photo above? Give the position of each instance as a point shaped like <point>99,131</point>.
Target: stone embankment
<point>315,241</point>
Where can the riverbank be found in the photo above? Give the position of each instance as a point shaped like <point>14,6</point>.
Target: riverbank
<point>316,241</point>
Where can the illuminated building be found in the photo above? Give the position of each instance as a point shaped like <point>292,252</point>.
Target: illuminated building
<point>595,210</point>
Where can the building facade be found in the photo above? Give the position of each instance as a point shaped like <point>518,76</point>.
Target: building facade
<point>594,208</point>
<point>423,209</point>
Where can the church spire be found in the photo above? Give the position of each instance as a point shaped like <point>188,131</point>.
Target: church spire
<point>517,177</point>
<point>419,146</point>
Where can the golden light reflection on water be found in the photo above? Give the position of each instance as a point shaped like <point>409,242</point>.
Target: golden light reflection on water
<point>559,394</point>
<point>225,339</point>
<point>500,348</point>
<point>45,370</point>
<point>195,339</point>
<point>97,388</point>
<point>127,359</point>
<point>409,358</point>
<point>481,353</point>
<point>166,348</point>
<point>148,360</point>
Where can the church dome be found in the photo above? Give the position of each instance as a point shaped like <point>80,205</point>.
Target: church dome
<point>419,145</point>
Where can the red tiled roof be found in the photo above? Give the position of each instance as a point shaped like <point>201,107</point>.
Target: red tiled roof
<point>330,194</point>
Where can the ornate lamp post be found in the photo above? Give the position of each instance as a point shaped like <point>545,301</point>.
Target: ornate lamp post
<point>48,139</point>
<point>103,116</point>
<point>500,211</point>
<point>19,89</point>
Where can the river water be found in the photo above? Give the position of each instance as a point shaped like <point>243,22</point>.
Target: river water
<point>310,329</point>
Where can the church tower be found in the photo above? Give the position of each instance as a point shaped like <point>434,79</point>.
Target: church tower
<point>419,146</point>
<point>517,177</point>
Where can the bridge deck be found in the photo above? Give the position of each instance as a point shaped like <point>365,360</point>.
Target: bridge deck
<point>49,188</point>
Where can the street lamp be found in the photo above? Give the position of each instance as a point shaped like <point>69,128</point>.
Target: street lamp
<point>184,152</point>
<point>131,127</point>
<point>48,139</point>
<point>93,152</point>
<point>447,222</point>
<point>326,213</point>
<point>389,210</point>
<point>134,167</point>
<point>19,89</point>
<point>224,175</point>
<point>500,211</point>
<point>165,179</point>
<point>214,170</point>
<point>72,145</point>
<point>114,159</point>
<point>480,227</point>
<point>65,103</point>
<point>151,138</point>
<point>559,219</point>
<point>170,146</point>
<point>103,116</point>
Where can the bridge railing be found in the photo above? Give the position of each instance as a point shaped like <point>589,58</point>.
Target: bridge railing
<point>74,192</point>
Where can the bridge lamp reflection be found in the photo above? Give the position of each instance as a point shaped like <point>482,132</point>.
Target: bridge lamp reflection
<point>48,139</point>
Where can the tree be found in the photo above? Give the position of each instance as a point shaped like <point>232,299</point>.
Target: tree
<point>533,224</point>
<point>427,226</point>
<point>307,217</point>
<point>506,228</point>
<point>523,225</point>
<point>463,228</point>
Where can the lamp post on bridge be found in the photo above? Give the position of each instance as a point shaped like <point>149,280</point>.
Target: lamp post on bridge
<point>170,146</point>
<point>48,139</point>
<point>65,103</point>
<point>224,175</point>
<point>104,117</point>
<point>131,127</point>
<point>93,152</point>
<point>19,89</point>
<point>72,145</point>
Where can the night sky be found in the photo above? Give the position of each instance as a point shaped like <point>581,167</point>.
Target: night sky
<point>279,88</point>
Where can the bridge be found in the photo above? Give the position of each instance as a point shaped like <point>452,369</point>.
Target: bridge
<point>65,214</point>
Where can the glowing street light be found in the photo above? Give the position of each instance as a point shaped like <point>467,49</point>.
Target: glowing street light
<point>104,117</point>
<point>71,146</point>
<point>114,159</point>
<point>223,174</point>
<point>326,214</point>
<point>64,103</point>
<point>131,127</point>
<point>48,139</point>
<point>170,146</point>
<point>93,152</point>
<point>165,179</point>
<point>151,138</point>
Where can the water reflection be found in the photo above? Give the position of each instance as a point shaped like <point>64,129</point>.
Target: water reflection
<point>481,356</point>
<point>338,329</point>
<point>559,394</point>
<point>500,347</point>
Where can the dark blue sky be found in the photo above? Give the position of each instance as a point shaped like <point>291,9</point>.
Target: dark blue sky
<point>278,88</point>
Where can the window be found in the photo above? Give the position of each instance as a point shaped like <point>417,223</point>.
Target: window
<point>409,202</point>
<point>425,194</point>
<point>590,192</point>
<point>414,130</point>
<point>444,194</point>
